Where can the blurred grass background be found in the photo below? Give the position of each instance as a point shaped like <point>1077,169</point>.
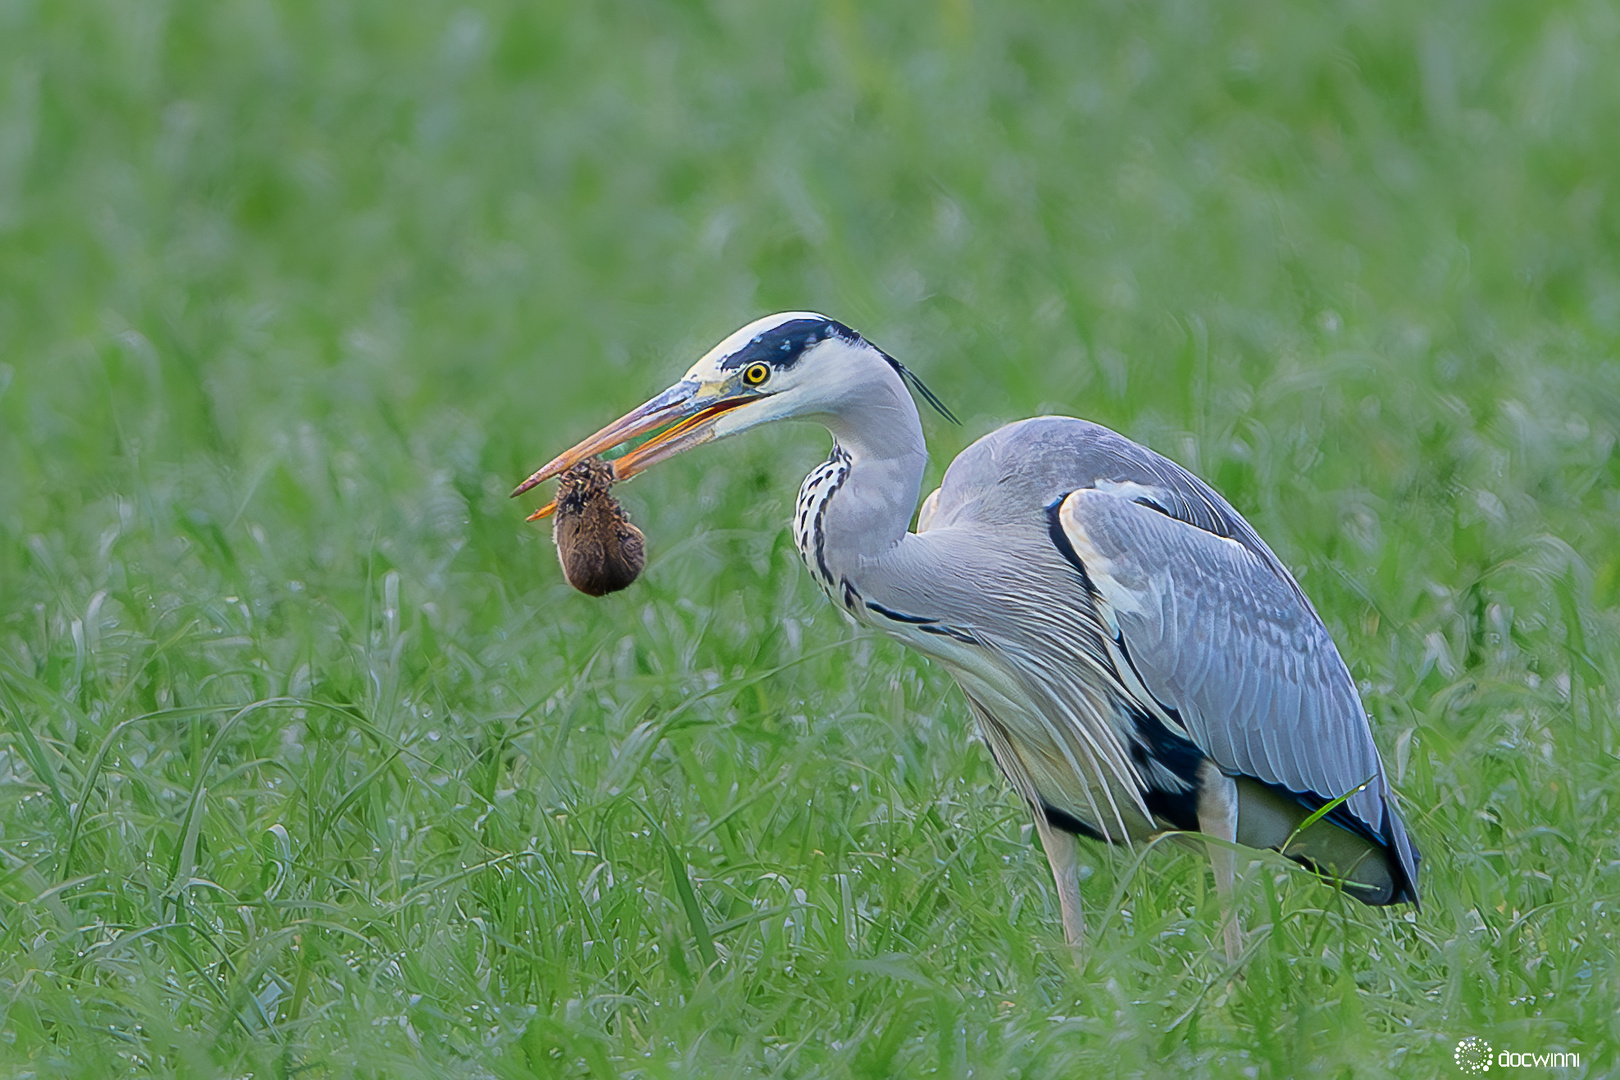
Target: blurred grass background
<point>313,766</point>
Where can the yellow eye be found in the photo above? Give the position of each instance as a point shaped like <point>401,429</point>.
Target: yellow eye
<point>756,373</point>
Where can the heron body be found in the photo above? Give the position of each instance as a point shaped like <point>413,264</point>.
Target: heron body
<point>1135,655</point>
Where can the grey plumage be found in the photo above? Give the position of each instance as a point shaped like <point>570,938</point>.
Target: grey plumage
<point>1136,656</point>
<point>1214,625</point>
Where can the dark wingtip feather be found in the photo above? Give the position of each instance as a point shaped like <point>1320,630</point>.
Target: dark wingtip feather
<point>1400,845</point>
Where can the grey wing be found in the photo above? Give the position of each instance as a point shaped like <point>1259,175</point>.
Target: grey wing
<point>1225,638</point>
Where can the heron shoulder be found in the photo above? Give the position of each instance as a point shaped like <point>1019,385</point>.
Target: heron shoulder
<point>1015,474</point>
<point>1021,469</point>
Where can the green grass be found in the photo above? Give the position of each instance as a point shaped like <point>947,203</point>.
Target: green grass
<point>311,765</point>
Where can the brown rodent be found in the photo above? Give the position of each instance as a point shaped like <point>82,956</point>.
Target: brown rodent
<point>600,551</point>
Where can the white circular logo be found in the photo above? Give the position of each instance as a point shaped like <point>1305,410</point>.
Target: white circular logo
<point>1473,1055</point>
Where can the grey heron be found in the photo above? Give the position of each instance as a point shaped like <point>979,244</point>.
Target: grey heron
<point>1136,657</point>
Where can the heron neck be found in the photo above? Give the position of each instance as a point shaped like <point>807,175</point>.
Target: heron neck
<point>871,511</point>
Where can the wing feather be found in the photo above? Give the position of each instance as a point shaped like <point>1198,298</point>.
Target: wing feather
<point>1218,636</point>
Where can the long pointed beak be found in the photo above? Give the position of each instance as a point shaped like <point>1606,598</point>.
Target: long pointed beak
<point>685,406</point>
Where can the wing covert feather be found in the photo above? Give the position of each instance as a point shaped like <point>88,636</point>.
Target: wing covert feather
<point>1220,638</point>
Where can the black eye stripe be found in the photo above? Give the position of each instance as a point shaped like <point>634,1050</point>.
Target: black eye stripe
<point>782,345</point>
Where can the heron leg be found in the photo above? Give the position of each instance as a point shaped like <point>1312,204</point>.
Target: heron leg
<point>1217,817</point>
<point>1063,855</point>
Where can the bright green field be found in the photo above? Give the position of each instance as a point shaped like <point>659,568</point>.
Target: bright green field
<point>312,766</point>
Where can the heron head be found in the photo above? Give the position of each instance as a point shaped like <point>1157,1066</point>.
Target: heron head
<point>794,364</point>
